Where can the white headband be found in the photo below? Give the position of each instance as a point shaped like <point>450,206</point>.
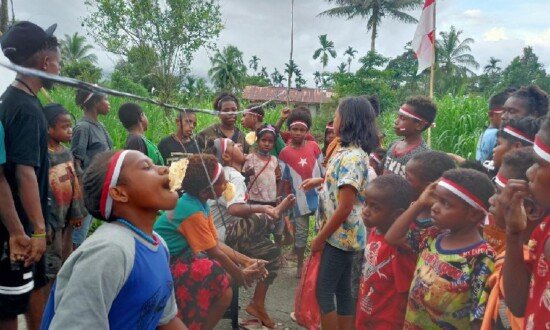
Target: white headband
<point>463,194</point>
<point>518,134</point>
<point>111,180</point>
<point>541,149</point>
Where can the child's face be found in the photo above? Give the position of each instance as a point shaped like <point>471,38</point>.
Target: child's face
<point>495,119</point>
<point>411,175</point>
<point>235,152</point>
<point>329,136</point>
<point>103,106</point>
<point>493,209</point>
<point>539,181</point>
<point>449,211</point>
<point>513,108</point>
<point>187,123</point>
<point>376,211</point>
<point>503,146</point>
<point>406,126</point>
<point>249,121</point>
<point>220,185</point>
<point>298,134</point>
<point>227,115</point>
<point>62,131</point>
<point>138,172</point>
<point>266,142</point>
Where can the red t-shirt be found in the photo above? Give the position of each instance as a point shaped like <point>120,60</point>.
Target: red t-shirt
<point>537,311</point>
<point>385,282</point>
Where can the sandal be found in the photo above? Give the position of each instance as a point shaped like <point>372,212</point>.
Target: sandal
<point>251,324</point>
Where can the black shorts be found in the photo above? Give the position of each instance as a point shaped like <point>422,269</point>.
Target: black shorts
<point>16,285</point>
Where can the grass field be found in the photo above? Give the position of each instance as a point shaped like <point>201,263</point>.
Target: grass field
<point>459,122</point>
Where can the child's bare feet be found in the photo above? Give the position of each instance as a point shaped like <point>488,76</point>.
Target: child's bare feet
<point>261,314</point>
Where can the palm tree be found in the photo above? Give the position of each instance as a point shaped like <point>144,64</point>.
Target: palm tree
<point>299,81</point>
<point>290,69</point>
<point>277,78</point>
<point>317,78</point>
<point>228,70</point>
<point>375,11</point>
<point>454,55</point>
<point>342,67</point>
<point>327,48</point>
<point>350,52</point>
<point>492,67</point>
<point>253,63</point>
<point>74,49</point>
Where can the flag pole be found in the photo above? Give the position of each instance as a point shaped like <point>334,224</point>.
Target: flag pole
<point>291,51</point>
<point>432,73</point>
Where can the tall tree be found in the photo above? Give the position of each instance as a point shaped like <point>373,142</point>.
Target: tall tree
<point>525,69</point>
<point>326,50</point>
<point>342,67</point>
<point>374,11</point>
<point>453,54</point>
<point>4,16</point>
<point>290,69</point>
<point>263,72</point>
<point>317,79</point>
<point>174,29</point>
<point>75,49</point>
<point>228,70</point>
<point>253,63</point>
<point>350,52</point>
<point>492,67</point>
<point>299,80</point>
<point>277,78</point>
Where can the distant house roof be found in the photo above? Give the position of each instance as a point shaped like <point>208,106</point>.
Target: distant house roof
<point>303,95</point>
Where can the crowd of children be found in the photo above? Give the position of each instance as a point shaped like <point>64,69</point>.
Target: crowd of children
<point>408,238</point>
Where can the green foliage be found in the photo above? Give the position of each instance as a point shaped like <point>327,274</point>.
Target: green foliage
<point>228,71</point>
<point>75,49</point>
<point>326,50</point>
<point>525,70</point>
<point>174,30</point>
<point>83,70</point>
<point>256,81</point>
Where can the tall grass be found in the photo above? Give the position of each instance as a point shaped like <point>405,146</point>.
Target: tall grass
<point>459,122</point>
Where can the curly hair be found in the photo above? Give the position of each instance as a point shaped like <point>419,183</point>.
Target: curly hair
<point>536,99</point>
<point>388,185</point>
<point>528,125</point>
<point>518,161</point>
<point>432,164</point>
<point>498,100</point>
<point>85,101</point>
<point>299,114</point>
<point>477,183</point>
<point>50,44</point>
<point>92,183</point>
<point>424,107</point>
<point>196,179</point>
<point>257,109</point>
<point>222,97</point>
<point>129,114</point>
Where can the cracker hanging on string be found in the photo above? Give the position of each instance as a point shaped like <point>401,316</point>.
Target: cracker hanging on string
<point>176,173</point>
<point>229,192</point>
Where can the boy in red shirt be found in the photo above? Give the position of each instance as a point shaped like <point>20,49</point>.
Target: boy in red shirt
<point>387,270</point>
<point>527,284</point>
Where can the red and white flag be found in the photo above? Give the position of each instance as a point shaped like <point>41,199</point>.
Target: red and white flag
<point>424,37</point>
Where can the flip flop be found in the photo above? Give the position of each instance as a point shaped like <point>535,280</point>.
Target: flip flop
<point>251,324</point>
<point>293,317</point>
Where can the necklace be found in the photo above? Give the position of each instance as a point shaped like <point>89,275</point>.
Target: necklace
<point>152,240</point>
<point>26,86</point>
<point>177,139</point>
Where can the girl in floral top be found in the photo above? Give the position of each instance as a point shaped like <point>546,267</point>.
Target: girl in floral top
<point>342,194</point>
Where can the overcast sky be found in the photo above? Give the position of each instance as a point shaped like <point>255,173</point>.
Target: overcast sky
<point>501,28</point>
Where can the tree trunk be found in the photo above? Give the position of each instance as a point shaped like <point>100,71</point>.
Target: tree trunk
<point>4,16</point>
<point>373,38</point>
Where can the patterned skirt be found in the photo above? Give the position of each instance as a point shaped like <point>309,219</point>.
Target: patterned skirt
<point>198,282</point>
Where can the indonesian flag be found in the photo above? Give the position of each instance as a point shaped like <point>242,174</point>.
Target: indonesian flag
<point>423,41</point>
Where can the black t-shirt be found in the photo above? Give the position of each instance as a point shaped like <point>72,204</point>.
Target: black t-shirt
<point>26,142</point>
<point>172,150</point>
<point>135,142</point>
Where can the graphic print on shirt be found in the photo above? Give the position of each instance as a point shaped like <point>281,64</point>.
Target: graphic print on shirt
<point>153,306</point>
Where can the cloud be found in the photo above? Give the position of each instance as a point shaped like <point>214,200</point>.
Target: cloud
<point>495,34</point>
<point>473,13</point>
<point>538,39</point>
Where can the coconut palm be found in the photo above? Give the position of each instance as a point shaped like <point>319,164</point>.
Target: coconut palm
<point>492,67</point>
<point>326,50</point>
<point>253,63</point>
<point>228,70</point>
<point>290,69</point>
<point>299,80</point>
<point>75,49</point>
<point>317,78</point>
<point>350,52</point>
<point>375,11</point>
<point>277,78</point>
<point>453,54</point>
<point>342,67</point>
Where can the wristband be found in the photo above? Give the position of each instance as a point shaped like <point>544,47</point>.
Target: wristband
<point>40,235</point>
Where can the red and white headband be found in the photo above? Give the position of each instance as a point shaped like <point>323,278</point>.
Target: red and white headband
<point>217,172</point>
<point>111,180</point>
<point>375,157</point>
<point>268,128</point>
<point>518,134</point>
<point>463,194</point>
<point>500,180</point>
<point>496,110</point>
<point>411,114</point>
<point>299,123</point>
<point>329,127</point>
<point>541,149</point>
<point>250,112</point>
